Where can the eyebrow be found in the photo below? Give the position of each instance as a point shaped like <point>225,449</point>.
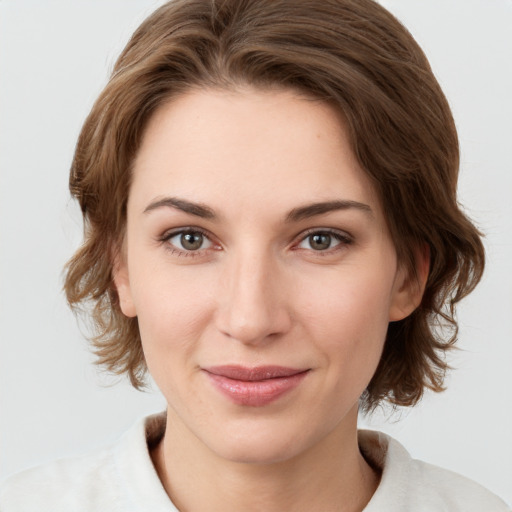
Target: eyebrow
<point>310,210</point>
<point>197,209</point>
<point>295,215</point>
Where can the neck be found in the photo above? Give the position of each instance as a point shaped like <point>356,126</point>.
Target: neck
<point>331,475</point>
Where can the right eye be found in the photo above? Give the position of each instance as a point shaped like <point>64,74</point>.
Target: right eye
<point>187,241</point>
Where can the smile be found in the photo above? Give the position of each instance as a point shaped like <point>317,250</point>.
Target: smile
<point>254,387</point>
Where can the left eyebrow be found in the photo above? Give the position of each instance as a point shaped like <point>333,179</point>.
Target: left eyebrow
<point>310,210</point>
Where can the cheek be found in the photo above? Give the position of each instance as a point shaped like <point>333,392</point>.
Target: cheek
<point>352,301</point>
<point>348,319</point>
<point>173,306</point>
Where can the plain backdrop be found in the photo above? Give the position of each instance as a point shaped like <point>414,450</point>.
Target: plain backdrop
<point>55,57</point>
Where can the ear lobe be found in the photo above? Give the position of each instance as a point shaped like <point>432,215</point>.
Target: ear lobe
<point>122,284</point>
<point>409,289</point>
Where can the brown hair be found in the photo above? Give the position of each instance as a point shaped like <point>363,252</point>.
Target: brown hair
<point>354,55</point>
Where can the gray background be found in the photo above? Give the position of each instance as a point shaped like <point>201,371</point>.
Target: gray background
<point>54,59</point>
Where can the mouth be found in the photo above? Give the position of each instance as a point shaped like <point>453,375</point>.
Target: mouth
<point>254,387</point>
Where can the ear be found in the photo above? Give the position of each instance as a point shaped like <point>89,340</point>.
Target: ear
<point>408,289</point>
<point>122,283</point>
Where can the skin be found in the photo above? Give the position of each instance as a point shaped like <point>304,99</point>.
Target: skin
<point>259,290</point>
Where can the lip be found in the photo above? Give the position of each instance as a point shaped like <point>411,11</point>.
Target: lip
<point>257,386</point>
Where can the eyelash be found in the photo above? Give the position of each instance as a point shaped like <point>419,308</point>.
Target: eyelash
<point>343,238</point>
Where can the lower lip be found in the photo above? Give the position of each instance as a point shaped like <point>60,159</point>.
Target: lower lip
<point>255,393</point>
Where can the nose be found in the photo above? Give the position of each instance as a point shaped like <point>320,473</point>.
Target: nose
<point>254,306</point>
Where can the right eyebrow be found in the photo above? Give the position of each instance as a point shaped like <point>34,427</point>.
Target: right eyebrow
<point>197,209</point>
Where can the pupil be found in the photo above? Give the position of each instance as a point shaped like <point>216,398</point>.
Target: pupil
<point>192,241</point>
<point>320,241</point>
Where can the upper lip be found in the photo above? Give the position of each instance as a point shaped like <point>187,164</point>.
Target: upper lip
<point>237,372</point>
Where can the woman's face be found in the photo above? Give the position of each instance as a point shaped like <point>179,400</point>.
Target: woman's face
<point>259,265</point>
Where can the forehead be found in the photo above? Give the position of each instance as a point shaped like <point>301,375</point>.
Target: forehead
<point>260,149</point>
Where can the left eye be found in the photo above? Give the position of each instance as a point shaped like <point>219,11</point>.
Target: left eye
<point>190,241</point>
<point>321,241</point>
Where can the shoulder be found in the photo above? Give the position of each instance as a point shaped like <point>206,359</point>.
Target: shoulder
<point>415,486</point>
<point>445,488</point>
<point>120,477</point>
<point>66,484</point>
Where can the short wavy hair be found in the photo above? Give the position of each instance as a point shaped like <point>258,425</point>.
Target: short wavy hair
<point>352,54</point>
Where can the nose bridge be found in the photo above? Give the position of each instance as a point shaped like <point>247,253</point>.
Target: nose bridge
<point>253,307</point>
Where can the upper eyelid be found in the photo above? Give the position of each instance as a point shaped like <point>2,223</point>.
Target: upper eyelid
<point>331,231</point>
<point>169,233</point>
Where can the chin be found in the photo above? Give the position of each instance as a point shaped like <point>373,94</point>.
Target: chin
<point>261,444</point>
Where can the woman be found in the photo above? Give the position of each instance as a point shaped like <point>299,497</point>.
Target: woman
<point>269,192</point>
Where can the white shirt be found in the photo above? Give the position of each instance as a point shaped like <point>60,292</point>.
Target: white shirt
<point>122,478</point>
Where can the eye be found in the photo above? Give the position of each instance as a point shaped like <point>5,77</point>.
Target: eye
<point>323,240</point>
<point>188,241</point>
